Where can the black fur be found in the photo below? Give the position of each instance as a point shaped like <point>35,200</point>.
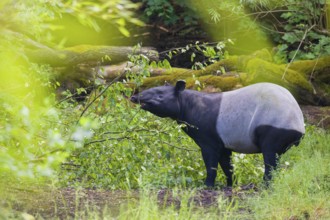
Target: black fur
<point>274,142</point>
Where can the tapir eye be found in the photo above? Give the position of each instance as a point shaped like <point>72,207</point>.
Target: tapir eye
<point>160,94</point>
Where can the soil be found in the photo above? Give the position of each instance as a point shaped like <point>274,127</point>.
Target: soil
<point>317,116</point>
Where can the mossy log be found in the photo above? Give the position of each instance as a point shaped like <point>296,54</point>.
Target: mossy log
<point>232,73</point>
<point>238,71</point>
<point>87,54</point>
<point>81,54</point>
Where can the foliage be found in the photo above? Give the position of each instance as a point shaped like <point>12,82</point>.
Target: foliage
<point>305,35</point>
<point>201,54</point>
<point>35,138</point>
<point>39,14</point>
<point>300,190</point>
<point>131,148</point>
<point>298,28</point>
<point>30,143</point>
<point>118,12</point>
<point>169,13</point>
<point>18,15</point>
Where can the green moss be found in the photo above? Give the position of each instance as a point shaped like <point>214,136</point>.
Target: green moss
<point>156,81</point>
<point>253,70</point>
<point>224,83</point>
<point>229,64</point>
<point>82,48</point>
<point>242,61</point>
<point>178,73</point>
<point>263,54</point>
<point>262,71</point>
<point>258,67</point>
<point>170,76</point>
<point>309,66</point>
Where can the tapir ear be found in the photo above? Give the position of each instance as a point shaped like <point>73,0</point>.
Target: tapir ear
<point>180,86</point>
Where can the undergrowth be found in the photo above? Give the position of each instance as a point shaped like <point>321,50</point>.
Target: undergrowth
<point>300,190</point>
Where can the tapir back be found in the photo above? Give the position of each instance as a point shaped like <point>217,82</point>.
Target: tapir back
<point>244,110</point>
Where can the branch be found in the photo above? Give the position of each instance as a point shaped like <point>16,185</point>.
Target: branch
<point>322,31</point>
<point>26,41</point>
<point>106,139</point>
<point>101,93</point>
<point>295,54</point>
<point>181,148</point>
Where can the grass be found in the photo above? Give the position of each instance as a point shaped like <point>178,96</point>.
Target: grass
<point>300,190</point>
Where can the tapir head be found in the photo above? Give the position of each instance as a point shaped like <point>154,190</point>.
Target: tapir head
<point>162,101</point>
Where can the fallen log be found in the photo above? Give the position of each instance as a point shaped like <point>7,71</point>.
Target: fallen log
<point>91,55</point>
<point>228,74</point>
<point>87,54</point>
<point>238,71</point>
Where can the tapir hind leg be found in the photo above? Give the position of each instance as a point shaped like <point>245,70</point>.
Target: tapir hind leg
<point>270,161</point>
<point>274,142</point>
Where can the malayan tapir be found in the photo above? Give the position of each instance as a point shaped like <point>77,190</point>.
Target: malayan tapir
<point>260,118</point>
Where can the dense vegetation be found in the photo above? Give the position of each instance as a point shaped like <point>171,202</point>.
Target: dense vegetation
<point>51,140</point>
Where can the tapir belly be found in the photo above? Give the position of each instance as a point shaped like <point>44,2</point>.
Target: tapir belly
<point>245,146</point>
<point>238,138</point>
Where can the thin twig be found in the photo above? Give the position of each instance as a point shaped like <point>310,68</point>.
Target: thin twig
<point>70,164</point>
<point>295,54</point>
<point>317,60</point>
<point>181,148</point>
<point>41,157</point>
<point>130,130</point>
<point>101,93</point>
<point>71,96</point>
<point>106,139</point>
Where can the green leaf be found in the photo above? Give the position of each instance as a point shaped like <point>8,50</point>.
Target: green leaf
<point>192,57</point>
<point>291,38</point>
<point>124,31</point>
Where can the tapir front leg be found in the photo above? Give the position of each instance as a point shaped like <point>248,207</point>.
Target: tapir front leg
<point>211,159</point>
<point>226,165</point>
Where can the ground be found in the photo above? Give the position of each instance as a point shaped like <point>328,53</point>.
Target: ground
<point>64,202</point>
<point>316,115</point>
